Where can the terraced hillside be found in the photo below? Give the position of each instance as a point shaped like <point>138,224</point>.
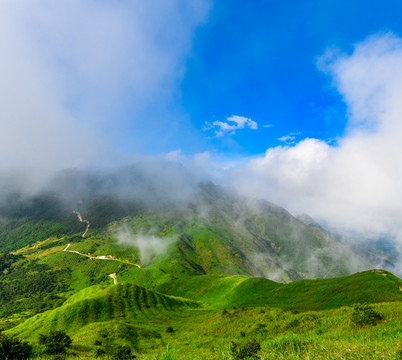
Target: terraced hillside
<point>283,317</point>
<point>89,310</point>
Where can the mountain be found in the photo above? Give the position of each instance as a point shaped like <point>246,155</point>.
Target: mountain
<point>215,231</point>
<point>119,257</point>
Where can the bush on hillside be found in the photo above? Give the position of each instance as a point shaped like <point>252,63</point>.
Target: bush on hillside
<point>99,352</point>
<point>56,342</point>
<point>169,329</point>
<point>122,352</point>
<point>364,314</point>
<point>248,351</point>
<point>11,348</point>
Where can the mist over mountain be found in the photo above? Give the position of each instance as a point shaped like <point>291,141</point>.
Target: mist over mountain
<point>267,240</point>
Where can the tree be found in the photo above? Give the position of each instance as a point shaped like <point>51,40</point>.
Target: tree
<point>56,342</point>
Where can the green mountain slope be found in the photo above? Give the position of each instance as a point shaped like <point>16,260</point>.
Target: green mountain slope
<point>372,286</point>
<point>131,315</point>
<point>202,265</point>
<point>259,238</point>
<point>125,303</point>
<point>213,233</point>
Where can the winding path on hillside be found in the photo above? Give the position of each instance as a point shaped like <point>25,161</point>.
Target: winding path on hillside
<point>83,221</point>
<point>114,277</point>
<point>102,257</point>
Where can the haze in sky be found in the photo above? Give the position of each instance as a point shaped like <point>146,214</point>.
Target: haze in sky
<point>297,102</point>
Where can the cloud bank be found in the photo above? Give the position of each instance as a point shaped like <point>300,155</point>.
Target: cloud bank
<point>354,185</point>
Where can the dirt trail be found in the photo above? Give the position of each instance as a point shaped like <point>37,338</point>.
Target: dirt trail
<point>102,257</point>
<point>83,221</point>
<point>114,277</point>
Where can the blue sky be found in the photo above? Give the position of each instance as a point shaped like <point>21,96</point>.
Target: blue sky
<point>258,59</point>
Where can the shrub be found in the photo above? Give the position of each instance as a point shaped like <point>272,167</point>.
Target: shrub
<point>364,314</point>
<point>56,342</point>
<point>169,329</point>
<point>294,323</point>
<point>123,352</point>
<point>99,352</point>
<point>248,351</point>
<point>320,331</point>
<point>12,348</point>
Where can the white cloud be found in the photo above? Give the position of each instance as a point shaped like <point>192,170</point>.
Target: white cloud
<point>233,123</point>
<point>148,244</point>
<point>69,69</point>
<point>290,138</point>
<point>356,183</point>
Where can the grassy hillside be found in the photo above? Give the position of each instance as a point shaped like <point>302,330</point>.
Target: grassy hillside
<point>41,275</point>
<point>101,318</point>
<point>225,307</point>
<point>125,303</point>
<point>191,275</point>
<point>215,231</point>
<point>302,295</point>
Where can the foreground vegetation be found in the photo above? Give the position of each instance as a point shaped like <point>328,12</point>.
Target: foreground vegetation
<point>209,322</point>
<point>209,334</point>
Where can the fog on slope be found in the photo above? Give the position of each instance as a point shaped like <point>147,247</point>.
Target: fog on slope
<point>353,185</point>
<point>147,244</point>
<point>270,241</point>
<point>156,184</point>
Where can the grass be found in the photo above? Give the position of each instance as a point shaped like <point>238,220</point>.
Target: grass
<point>126,303</point>
<point>126,314</point>
<point>303,295</point>
<point>207,334</point>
